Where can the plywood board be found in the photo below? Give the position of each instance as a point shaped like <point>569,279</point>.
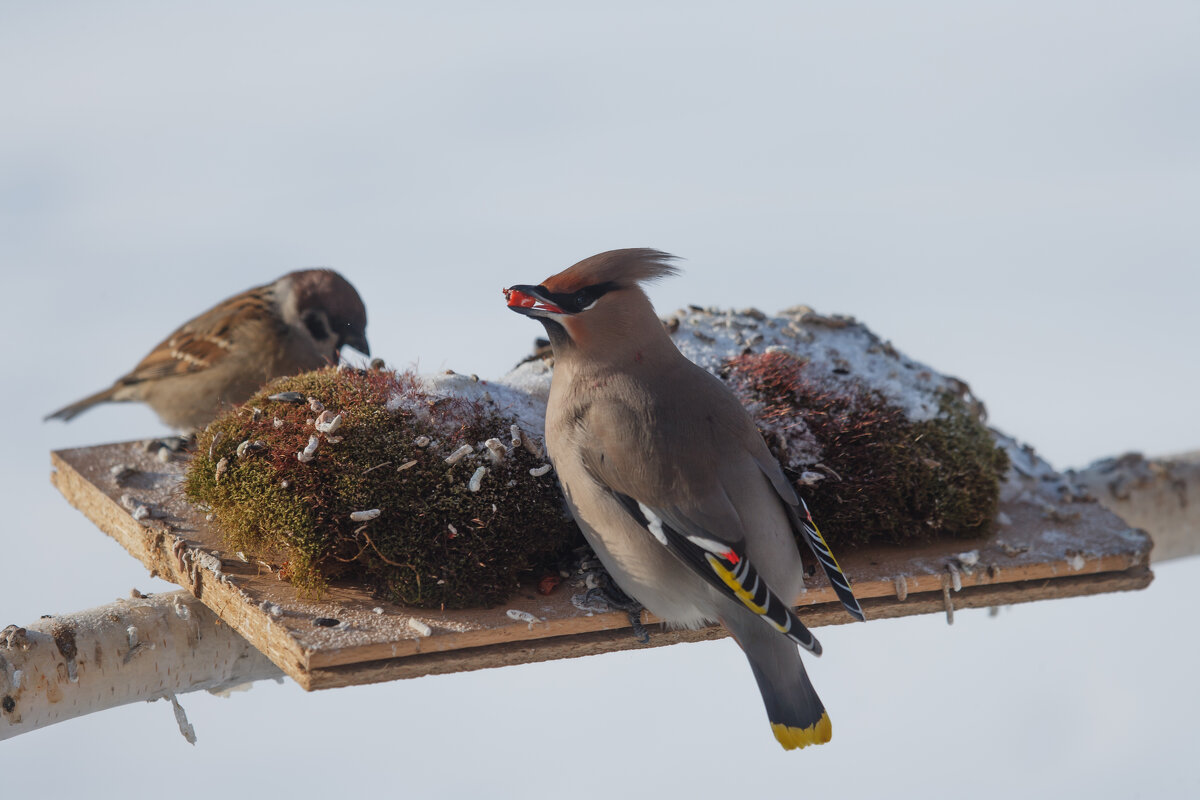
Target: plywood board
<point>1045,549</point>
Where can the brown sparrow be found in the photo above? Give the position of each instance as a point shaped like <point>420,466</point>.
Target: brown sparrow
<point>221,357</point>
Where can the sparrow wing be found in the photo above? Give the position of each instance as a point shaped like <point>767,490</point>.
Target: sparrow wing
<point>204,341</point>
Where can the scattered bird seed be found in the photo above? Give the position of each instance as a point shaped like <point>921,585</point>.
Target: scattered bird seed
<point>955,577</point>
<point>249,446</point>
<point>477,479</point>
<point>365,516</point>
<point>121,472</point>
<point>522,616</point>
<point>306,455</point>
<point>459,454</point>
<point>496,449</point>
<point>329,422</point>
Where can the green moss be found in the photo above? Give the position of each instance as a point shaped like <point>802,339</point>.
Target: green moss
<point>886,478</point>
<point>435,544</point>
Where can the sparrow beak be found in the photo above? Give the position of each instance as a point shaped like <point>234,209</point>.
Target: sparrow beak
<point>358,341</point>
<point>532,301</point>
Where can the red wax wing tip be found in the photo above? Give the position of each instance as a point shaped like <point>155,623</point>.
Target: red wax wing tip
<point>731,557</point>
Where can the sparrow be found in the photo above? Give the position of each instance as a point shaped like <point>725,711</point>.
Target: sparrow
<point>673,485</point>
<point>220,358</point>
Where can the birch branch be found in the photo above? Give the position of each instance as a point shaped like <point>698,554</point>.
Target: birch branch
<point>143,648</point>
<point>1159,495</point>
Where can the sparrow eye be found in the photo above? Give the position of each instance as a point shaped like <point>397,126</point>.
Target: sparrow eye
<point>318,328</point>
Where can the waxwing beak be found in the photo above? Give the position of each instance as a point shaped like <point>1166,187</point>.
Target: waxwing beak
<point>531,301</point>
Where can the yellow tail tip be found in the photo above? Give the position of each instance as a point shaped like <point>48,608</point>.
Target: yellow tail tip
<point>791,738</point>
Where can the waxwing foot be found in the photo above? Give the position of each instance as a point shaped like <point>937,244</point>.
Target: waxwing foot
<point>607,591</point>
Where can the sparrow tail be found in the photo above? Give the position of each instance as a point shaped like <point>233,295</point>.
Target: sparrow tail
<point>78,407</point>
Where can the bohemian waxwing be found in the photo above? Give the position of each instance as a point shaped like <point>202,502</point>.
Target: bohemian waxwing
<point>672,483</point>
<point>221,357</point>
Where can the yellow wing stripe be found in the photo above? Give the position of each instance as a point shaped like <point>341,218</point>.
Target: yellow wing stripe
<point>791,738</point>
<point>821,537</point>
<point>734,584</point>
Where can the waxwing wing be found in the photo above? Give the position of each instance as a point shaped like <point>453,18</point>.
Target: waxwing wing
<point>221,357</point>
<point>671,482</point>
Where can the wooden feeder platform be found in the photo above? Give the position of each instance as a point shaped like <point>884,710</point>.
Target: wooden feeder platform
<point>1047,547</point>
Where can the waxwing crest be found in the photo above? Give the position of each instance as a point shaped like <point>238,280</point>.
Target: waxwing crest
<point>620,269</point>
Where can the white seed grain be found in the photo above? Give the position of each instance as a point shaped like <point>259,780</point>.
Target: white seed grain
<point>459,454</point>
<point>306,455</point>
<point>329,422</point>
<point>477,479</point>
<point>496,449</point>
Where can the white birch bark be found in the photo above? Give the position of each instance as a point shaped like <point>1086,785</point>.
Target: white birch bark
<point>1159,495</point>
<point>143,648</point>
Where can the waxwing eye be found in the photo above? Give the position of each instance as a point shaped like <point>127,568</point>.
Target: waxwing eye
<point>585,299</point>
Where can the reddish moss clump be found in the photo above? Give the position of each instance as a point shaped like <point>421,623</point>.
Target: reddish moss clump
<point>435,542</point>
<point>886,478</point>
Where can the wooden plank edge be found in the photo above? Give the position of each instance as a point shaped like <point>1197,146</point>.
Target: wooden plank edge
<point>158,554</point>
<point>608,641</point>
<point>815,597</point>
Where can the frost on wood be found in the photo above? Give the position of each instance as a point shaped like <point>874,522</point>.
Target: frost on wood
<point>140,649</point>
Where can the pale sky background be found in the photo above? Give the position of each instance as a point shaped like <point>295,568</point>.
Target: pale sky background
<point>1009,192</point>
